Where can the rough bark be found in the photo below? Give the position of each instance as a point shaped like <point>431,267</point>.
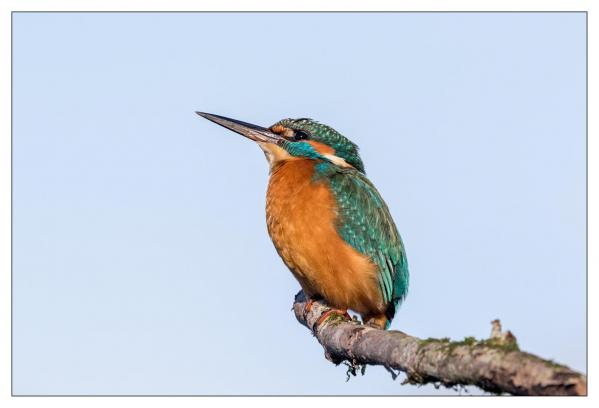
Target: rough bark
<point>495,364</point>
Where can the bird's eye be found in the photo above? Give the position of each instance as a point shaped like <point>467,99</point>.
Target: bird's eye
<point>300,135</point>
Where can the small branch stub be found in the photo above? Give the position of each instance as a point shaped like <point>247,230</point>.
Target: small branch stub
<point>495,364</point>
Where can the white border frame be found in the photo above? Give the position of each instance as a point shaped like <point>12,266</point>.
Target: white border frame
<point>6,8</point>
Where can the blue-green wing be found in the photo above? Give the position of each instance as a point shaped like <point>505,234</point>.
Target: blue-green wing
<point>366,224</point>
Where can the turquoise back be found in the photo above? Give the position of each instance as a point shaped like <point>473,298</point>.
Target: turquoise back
<point>364,222</point>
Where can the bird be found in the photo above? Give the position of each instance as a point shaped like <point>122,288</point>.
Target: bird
<point>326,219</point>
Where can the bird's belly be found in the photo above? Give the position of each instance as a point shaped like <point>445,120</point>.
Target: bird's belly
<point>301,216</point>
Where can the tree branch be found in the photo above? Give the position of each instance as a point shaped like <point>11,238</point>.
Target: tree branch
<point>495,365</point>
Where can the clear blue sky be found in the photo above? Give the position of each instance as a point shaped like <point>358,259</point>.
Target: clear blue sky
<point>141,261</point>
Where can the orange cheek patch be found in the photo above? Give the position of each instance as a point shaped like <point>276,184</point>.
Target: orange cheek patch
<point>278,129</point>
<point>282,130</point>
<point>321,148</point>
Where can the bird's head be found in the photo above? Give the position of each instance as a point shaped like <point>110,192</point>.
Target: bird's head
<point>294,139</point>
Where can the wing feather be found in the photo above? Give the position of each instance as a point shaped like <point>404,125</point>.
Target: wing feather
<point>364,221</point>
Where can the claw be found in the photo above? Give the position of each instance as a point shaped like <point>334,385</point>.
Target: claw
<point>328,313</point>
<point>308,306</point>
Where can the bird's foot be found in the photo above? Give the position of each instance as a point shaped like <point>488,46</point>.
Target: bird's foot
<point>334,312</point>
<point>376,321</point>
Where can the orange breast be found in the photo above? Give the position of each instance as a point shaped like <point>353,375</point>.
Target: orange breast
<point>301,217</point>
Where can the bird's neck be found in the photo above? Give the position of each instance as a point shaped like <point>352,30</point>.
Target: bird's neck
<point>288,177</point>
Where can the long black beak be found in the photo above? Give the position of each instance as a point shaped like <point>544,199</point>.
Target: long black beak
<point>253,132</point>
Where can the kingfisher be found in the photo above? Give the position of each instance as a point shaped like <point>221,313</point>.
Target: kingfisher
<point>327,221</point>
